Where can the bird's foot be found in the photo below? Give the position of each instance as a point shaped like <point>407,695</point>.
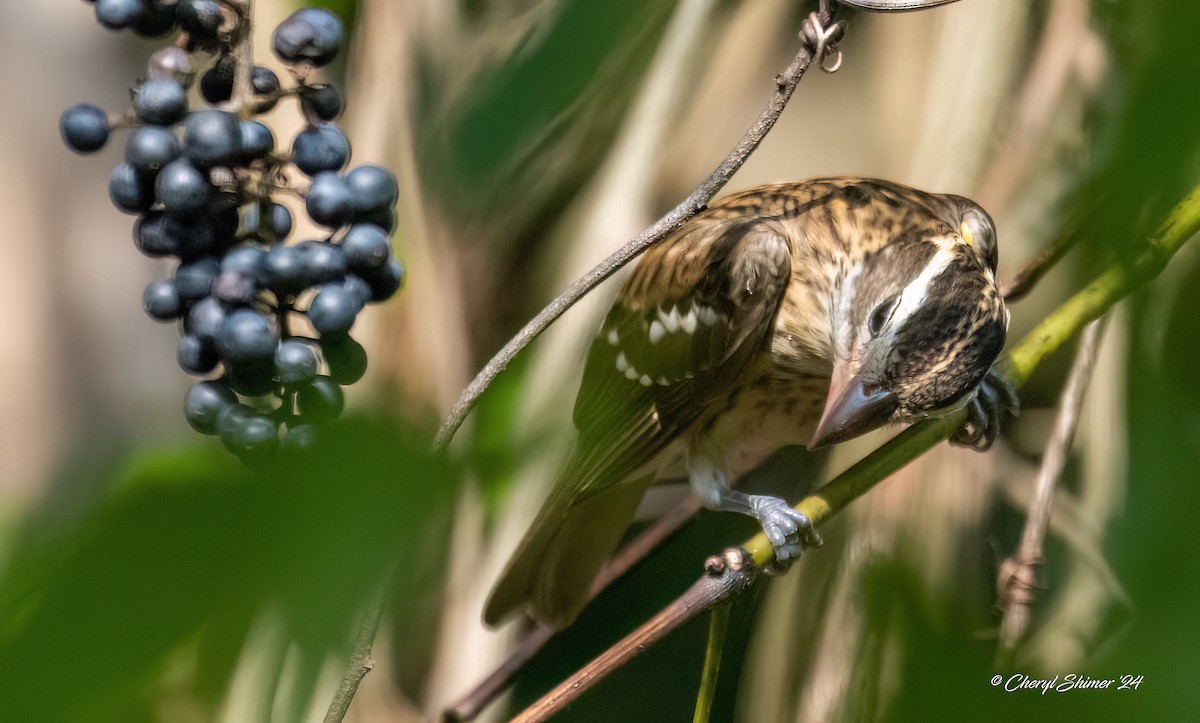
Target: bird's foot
<point>995,397</point>
<point>788,530</point>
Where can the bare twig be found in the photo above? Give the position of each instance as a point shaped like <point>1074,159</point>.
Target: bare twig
<point>726,576</point>
<point>638,548</point>
<point>242,99</point>
<point>693,204</point>
<point>360,661</point>
<point>1024,280</point>
<point>1019,574</point>
<point>718,626</point>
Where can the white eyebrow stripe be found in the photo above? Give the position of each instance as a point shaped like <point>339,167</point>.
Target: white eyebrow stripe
<point>914,295</point>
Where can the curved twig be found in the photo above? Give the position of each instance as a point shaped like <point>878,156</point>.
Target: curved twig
<point>1019,574</point>
<point>488,689</point>
<point>785,86</point>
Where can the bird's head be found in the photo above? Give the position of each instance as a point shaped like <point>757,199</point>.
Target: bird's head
<point>921,322</point>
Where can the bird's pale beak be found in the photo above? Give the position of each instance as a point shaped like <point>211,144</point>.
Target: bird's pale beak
<point>852,408</point>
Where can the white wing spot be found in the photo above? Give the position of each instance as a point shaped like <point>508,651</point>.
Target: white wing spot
<point>613,338</point>
<point>707,316</point>
<point>657,332</point>
<point>622,362</point>
<point>631,374</point>
<point>662,381</point>
<point>672,320</point>
<point>688,322</point>
<point>645,381</point>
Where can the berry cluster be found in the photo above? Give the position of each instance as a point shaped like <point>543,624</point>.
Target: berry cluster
<point>204,182</point>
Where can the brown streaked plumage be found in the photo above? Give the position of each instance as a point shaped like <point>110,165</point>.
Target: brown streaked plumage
<point>806,312</point>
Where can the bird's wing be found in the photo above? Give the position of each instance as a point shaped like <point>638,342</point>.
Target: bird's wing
<point>682,329</point>
<point>694,312</point>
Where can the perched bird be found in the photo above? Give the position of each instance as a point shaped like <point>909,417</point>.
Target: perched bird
<point>798,313</point>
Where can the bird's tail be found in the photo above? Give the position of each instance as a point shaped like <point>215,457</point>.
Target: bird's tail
<point>553,568</point>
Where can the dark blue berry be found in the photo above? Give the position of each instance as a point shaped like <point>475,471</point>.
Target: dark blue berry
<point>384,218</point>
<point>149,148</point>
<point>193,279</point>
<point>204,403</point>
<point>329,201</point>
<point>182,188</point>
<point>244,259</point>
<point>234,287</point>
<point>192,236</point>
<point>161,301</point>
<point>199,17</point>
<point>252,379</point>
<point>386,281</point>
<point>245,432</point>
<point>345,357</point>
<point>171,62</point>
<point>357,288</point>
<point>281,221</point>
<point>224,217</point>
<point>373,188</point>
<point>323,262</point>
<point>160,102</point>
<point>295,362</point>
<point>130,189</point>
<point>366,247</point>
<point>283,271</point>
<point>151,237</point>
<point>322,102</point>
<point>196,356</point>
<point>320,148</point>
<point>320,400</point>
<point>157,20</point>
<point>84,128</point>
<point>205,319</point>
<point>333,309</point>
<point>265,84</point>
<point>117,14</point>
<point>247,336</point>
<point>257,140</point>
<point>298,436</point>
<point>211,137</point>
<point>310,34</point>
<point>216,85</point>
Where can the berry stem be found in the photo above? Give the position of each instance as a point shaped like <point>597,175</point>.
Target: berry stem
<point>242,102</point>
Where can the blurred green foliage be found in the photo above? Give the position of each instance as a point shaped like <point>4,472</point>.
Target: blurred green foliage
<point>505,150</point>
<point>189,549</point>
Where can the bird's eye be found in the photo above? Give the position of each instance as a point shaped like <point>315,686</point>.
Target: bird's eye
<point>880,315</point>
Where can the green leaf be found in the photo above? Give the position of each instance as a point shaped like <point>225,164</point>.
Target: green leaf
<point>190,543</point>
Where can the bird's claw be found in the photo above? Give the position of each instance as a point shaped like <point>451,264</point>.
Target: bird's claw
<point>995,397</point>
<point>788,530</point>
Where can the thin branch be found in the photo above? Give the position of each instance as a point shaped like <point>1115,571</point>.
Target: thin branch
<point>242,98</point>
<point>1024,280</point>
<point>1046,338</point>
<point>361,662</point>
<point>1019,574</point>
<point>717,628</point>
<point>473,703</point>
<point>672,221</point>
<point>725,577</point>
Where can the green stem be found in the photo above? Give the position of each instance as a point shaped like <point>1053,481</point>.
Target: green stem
<point>1047,337</point>
<point>717,626</point>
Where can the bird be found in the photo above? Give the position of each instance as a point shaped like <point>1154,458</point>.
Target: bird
<point>808,312</point>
